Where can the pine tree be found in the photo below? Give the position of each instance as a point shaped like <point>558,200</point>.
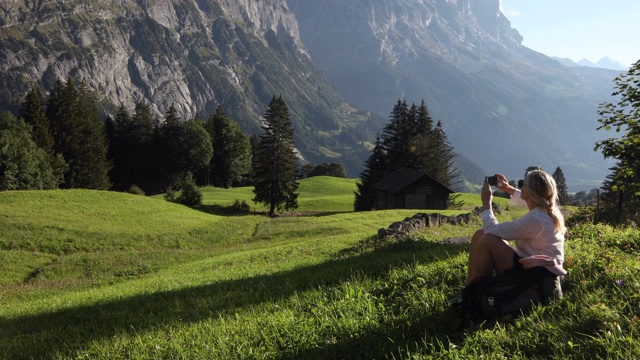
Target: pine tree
<point>171,135</point>
<point>59,107</point>
<point>33,113</point>
<point>441,157</point>
<point>397,137</point>
<point>116,131</point>
<point>375,170</point>
<point>561,184</point>
<point>425,122</point>
<point>79,135</point>
<point>231,150</point>
<point>143,153</point>
<point>275,165</point>
<point>254,144</point>
<point>89,163</point>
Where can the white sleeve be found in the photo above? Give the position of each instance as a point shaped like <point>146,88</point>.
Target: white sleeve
<point>527,227</point>
<point>516,199</point>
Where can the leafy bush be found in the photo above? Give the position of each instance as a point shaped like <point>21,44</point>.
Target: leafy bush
<point>136,190</point>
<point>240,207</point>
<point>171,195</point>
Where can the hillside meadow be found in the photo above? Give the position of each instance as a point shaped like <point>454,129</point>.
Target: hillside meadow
<point>105,275</point>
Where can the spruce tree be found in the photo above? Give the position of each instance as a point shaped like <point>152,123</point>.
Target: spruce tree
<point>116,131</point>
<point>143,154</point>
<point>254,144</point>
<point>617,203</point>
<point>375,170</point>
<point>275,166</point>
<point>561,184</point>
<point>88,158</point>
<point>171,135</point>
<point>59,105</point>
<point>425,122</point>
<point>396,138</point>
<point>33,113</point>
<point>79,135</point>
<point>441,157</point>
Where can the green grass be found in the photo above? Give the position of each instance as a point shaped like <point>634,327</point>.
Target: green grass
<point>90,274</point>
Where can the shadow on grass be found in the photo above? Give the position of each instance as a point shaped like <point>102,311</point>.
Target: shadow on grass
<point>219,210</point>
<point>231,211</point>
<point>64,332</point>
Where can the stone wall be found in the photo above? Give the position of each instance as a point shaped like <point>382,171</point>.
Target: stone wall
<point>402,229</point>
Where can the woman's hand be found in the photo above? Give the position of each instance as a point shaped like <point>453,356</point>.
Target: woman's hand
<point>486,195</point>
<point>503,184</point>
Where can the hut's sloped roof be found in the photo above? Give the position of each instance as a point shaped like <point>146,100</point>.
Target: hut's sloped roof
<point>402,178</point>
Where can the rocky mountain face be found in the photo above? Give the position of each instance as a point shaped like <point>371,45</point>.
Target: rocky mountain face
<point>191,53</point>
<point>503,106</point>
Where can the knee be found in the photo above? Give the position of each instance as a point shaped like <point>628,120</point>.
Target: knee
<point>476,237</point>
<point>482,239</point>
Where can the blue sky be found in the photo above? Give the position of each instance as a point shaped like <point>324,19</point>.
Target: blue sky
<point>578,29</point>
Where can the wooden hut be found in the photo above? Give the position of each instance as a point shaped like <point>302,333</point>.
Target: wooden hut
<point>410,189</point>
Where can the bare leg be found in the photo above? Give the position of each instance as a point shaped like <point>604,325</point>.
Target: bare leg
<point>488,253</point>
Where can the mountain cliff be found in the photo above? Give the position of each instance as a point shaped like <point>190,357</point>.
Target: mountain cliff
<point>191,53</point>
<point>503,106</point>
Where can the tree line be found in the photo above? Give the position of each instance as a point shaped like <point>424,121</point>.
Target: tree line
<point>61,142</point>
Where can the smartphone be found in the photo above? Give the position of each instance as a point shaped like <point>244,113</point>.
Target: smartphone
<point>493,180</point>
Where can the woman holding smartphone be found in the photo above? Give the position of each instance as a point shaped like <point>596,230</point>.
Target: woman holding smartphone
<point>538,237</point>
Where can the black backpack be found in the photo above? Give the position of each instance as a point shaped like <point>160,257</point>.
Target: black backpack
<point>513,292</point>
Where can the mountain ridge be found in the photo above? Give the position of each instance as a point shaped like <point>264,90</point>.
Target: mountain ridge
<point>503,105</point>
<point>604,63</point>
<point>340,66</point>
<point>192,54</point>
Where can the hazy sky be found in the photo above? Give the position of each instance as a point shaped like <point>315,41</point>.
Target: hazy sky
<point>578,29</point>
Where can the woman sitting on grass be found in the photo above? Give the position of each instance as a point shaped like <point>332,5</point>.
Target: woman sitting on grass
<point>538,236</point>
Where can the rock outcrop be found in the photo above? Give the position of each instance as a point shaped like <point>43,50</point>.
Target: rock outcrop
<point>191,53</point>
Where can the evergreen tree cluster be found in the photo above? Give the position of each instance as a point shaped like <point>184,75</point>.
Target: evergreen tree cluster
<point>61,141</point>
<point>409,140</point>
<point>173,154</point>
<point>64,139</point>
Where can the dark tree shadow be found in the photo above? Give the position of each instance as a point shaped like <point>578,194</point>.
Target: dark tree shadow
<point>63,332</point>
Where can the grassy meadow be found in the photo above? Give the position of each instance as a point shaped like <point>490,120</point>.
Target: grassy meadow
<point>105,275</point>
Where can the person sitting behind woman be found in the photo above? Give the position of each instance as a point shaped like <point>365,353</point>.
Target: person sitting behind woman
<point>538,236</point>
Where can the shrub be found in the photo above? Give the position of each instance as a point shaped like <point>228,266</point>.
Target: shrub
<point>190,194</point>
<point>240,207</point>
<point>136,190</point>
<point>170,195</point>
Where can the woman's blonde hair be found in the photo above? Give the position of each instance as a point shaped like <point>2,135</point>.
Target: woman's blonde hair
<point>543,191</point>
